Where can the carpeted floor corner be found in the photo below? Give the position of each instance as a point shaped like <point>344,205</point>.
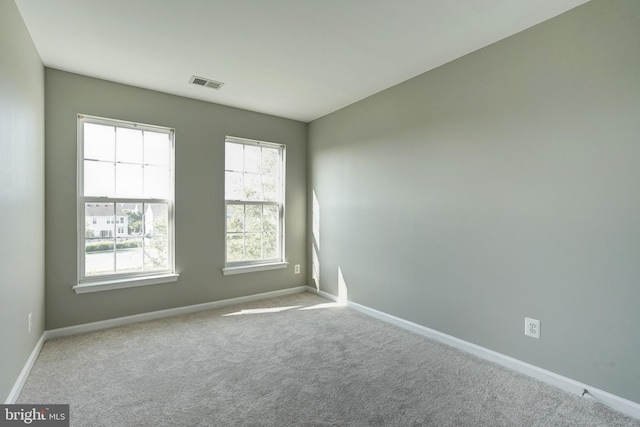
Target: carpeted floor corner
<point>290,361</point>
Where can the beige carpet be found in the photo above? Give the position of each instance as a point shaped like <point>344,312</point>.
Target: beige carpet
<point>290,361</point>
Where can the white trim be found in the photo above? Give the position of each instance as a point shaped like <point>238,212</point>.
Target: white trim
<point>280,203</point>
<point>248,141</point>
<point>81,199</point>
<point>22,378</point>
<point>108,285</point>
<point>153,315</point>
<point>618,403</point>
<point>323,294</point>
<point>253,268</point>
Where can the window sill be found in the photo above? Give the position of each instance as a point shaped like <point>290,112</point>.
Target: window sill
<point>108,285</point>
<point>253,268</point>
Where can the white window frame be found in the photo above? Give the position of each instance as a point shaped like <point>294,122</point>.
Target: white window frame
<point>236,267</point>
<point>129,279</point>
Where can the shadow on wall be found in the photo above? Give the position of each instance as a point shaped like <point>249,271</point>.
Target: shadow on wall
<point>315,250</point>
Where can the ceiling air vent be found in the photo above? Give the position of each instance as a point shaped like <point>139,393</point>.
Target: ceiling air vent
<point>201,81</point>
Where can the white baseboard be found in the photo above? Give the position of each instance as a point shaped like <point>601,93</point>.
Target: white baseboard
<point>153,315</point>
<point>618,403</point>
<point>22,378</point>
<point>323,294</point>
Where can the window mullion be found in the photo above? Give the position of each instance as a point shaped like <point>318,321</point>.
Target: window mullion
<point>144,233</point>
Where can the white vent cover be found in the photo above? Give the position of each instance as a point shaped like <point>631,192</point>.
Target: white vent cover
<point>201,81</point>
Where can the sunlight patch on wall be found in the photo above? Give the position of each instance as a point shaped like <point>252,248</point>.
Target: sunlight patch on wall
<point>342,288</point>
<point>315,268</point>
<point>316,220</point>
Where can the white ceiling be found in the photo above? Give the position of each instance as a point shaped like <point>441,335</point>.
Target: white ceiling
<point>299,59</point>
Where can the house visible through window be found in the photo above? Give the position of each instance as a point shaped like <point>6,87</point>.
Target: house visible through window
<point>254,195</point>
<point>125,200</point>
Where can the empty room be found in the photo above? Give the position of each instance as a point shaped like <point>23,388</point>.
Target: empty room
<point>310,212</point>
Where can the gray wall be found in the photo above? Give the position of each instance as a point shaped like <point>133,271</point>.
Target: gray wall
<point>504,184</point>
<point>21,195</point>
<point>200,217</point>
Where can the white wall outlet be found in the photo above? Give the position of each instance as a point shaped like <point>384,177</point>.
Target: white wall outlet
<point>296,269</point>
<point>532,327</point>
<point>29,323</point>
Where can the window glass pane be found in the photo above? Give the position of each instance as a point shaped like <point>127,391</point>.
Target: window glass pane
<point>233,155</point>
<point>252,159</point>
<point>156,217</point>
<point>233,186</point>
<point>252,187</point>
<point>253,246</point>
<point>129,145</point>
<point>128,255</point>
<point>99,220</point>
<point>98,179</point>
<point>157,148</point>
<point>129,180</point>
<point>235,218</point>
<point>253,218</point>
<point>157,182</point>
<point>99,142</point>
<point>270,244</point>
<point>270,218</point>
<point>270,161</point>
<point>271,188</point>
<point>156,253</point>
<point>235,247</point>
<point>99,257</point>
<point>132,214</point>
<point>103,213</point>
<point>99,247</point>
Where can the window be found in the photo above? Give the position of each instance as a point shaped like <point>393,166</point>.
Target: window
<point>125,203</point>
<point>254,199</point>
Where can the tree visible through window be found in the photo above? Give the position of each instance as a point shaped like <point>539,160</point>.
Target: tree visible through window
<point>254,189</point>
<point>125,199</point>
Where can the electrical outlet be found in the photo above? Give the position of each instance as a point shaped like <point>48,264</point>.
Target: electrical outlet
<point>532,328</point>
<point>296,269</point>
<point>29,324</point>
